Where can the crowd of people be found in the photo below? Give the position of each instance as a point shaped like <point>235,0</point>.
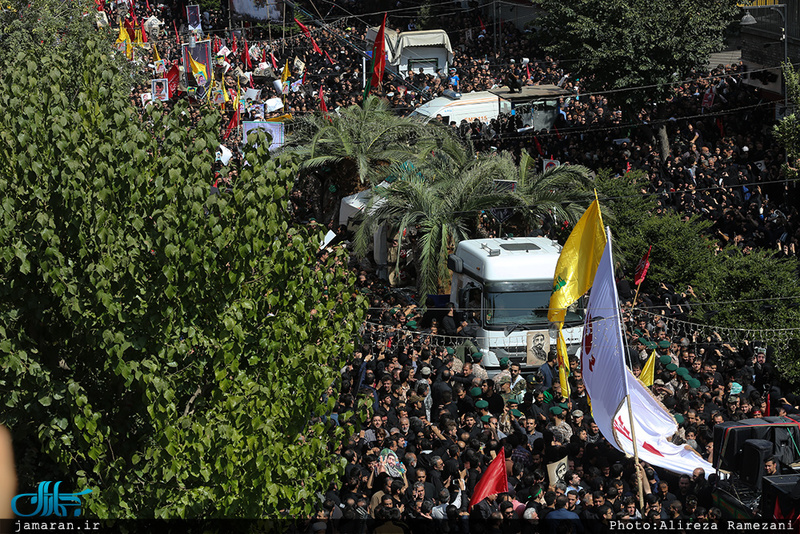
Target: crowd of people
<point>721,161</point>
<point>438,418</point>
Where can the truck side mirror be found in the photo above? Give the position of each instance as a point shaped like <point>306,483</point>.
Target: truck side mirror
<point>455,264</point>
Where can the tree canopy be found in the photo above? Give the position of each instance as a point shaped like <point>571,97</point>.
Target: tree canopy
<point>754,294</point>
<point>160,342</point>
<point>638,45</point>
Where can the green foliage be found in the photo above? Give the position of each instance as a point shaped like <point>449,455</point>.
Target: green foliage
<point>787,131</point>
<point>681,253</point>
<point>361,137</point>
<point>633,43</point>
<point>159,345</point>
<point>444,192</point>
<point>752,292</point>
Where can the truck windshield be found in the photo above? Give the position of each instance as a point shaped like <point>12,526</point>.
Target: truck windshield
<point>525,308</point>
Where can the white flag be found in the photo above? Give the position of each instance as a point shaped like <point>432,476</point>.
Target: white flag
<point>608,381</point>
<point>602,359</point>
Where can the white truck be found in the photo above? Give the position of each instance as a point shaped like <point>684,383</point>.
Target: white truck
<point>505,286</point>
<point>455,107</point>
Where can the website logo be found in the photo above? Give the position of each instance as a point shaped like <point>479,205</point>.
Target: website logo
<point>47,502</point>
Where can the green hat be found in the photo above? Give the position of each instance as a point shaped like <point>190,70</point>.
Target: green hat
<point>672,367</point>
<point>638,332</point>
<point>683,371</point>
<point>476,356</point>
<point>475,392</point>
<point>503,363</point>
<point>485,418</point>
<point>516,413</point>
<point>665,360</point>
<point>563,406</point>
<point>481,404</point>
<point>649,345</point>
<point>663,344</point>
<point>412,325</point>
<point>678,418</point>
<point>694,383</point>
<point>547,396</point>
<point>450,350</point>
<point>556,410</point>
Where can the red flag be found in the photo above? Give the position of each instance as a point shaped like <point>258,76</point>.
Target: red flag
<point>307,33</point>
<point>246,56</point>
<point>493,480</point>
<point>173,76</point>
<point>538,146</point>
<point>274,63</point>
<point>215,45</point>
<point>379,55</point>
<point>177,39</point>
<point>641,269</point>
<point>263,56</point>
<point>322,105</point>
<point>769,405</point>
<point>147,2</point>
<point>528,70</point>
<point>144,33</point>
<point>483,28</point>
<point>558,134</point>
<point>329,57</point>
<point>129,27</point>
<point>231,125</point>
<point>234,48</point>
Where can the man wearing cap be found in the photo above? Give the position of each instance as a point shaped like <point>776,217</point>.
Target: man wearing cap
<point>562,432</point>
<point>504,372</point>
<point>477,369</point>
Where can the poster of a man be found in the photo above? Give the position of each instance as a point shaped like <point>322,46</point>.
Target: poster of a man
<point>159,89</point>
<point>538,347</point>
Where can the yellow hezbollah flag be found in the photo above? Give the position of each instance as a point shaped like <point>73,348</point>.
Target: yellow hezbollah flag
<point>156,57</point>
<point>578,263</point>
<point>123,43</point>
<point>649,371</point>
<point>198,71</point>
<point>285,72</point>
<point>563,364</point>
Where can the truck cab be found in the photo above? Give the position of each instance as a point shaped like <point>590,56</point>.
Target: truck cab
<point>503,286</point>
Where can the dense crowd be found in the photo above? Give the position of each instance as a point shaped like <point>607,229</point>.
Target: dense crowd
<point>439,418</point>
<point>722,162</point>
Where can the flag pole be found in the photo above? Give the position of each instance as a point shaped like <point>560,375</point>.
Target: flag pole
<point>635,451</point>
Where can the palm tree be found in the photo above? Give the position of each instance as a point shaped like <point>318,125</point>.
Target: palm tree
<point>560,193</point>
<point>358,137</point>
<point>348,150</point>
<point>442,195</point>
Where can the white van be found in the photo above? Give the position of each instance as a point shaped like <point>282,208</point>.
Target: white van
<point>505,284</point>
<point>455,107</point>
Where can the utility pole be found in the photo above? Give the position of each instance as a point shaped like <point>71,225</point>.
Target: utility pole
<point>494,12</point>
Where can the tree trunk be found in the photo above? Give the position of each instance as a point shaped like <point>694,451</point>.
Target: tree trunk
<point>663,142</point>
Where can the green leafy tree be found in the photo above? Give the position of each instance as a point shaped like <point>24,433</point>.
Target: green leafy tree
<point>444,192</point>
<point>166,347</point>
<point>755,292</point>
<point>636,47</point>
